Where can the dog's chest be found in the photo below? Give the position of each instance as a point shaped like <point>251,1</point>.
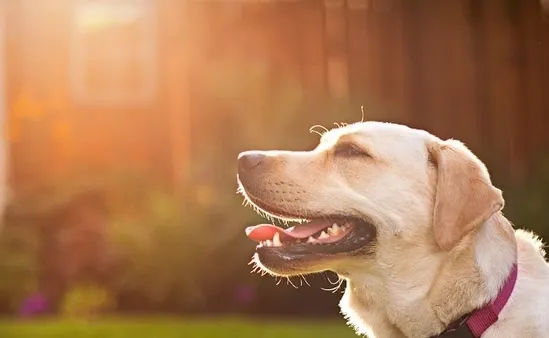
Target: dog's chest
<point>368,318</point>
<point>377,313</point>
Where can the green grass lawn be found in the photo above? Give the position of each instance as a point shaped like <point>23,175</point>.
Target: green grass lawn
<point>176,328</point>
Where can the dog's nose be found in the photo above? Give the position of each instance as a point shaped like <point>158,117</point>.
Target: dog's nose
<point>249,160</point>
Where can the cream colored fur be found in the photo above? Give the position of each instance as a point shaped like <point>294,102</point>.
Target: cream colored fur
<point>443,246</point>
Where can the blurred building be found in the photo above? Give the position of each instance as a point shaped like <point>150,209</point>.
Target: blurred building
<point>92,83</point>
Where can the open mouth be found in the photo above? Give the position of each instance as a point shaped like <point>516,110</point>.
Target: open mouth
<point>330,235</point>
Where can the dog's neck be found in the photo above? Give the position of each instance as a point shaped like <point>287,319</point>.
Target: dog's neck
<point>495,242</point>
<point>378,304</point>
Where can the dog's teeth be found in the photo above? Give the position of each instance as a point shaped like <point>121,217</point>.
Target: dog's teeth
<point>268,243</point>
<point>323,235</point>
<point>311,240</point>
<point>334,229</point>
<point>276,240</point>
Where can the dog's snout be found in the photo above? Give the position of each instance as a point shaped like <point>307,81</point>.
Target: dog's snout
<point>248,161</point>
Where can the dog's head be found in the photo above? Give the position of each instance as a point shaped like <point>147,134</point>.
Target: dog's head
<point>367,191</point>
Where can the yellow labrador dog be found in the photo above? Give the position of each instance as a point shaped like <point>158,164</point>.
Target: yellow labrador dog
<point>412,223</point>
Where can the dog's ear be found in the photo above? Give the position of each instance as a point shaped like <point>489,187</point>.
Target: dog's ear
<point>465,197</point>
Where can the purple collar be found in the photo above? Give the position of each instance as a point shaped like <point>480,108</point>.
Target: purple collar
<point>480,320</point>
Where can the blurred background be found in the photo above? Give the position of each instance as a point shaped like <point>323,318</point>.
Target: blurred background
<point>122,121</point>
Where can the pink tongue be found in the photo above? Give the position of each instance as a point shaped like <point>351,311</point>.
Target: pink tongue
<point>263,232</point>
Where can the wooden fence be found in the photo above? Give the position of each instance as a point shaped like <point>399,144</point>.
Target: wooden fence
<point>469,69</point>
<point>474,70</point>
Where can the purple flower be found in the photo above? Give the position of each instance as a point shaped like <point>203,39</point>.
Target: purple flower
<point>34,305</point>
<point>244,294</point>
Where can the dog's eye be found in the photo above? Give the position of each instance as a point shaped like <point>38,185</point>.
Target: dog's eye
<point>348,150</point>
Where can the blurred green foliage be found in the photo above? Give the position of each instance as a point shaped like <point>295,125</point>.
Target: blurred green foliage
<point>86,301</point>
<point>169,250</point>
<point>160,248</point>
<point>18,263</point>
<point>162,245</point>
<point>526,204</point>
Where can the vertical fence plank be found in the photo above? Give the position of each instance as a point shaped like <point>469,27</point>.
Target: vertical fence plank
<point>531,84</point>
<point>544,43</point>
<point>358,45</point>
<point>175,76</point>
<point>312,50</point>
<point>481,83</point>
<point>337,67</point>
<point>502,70</point>
<point>537,33</point>
<point>384,26</point>
<point>519,112</point>
<point>433,30</point>
<point>374,56</point>
<point>397,90</point>
<point>461,75</point>
<point>447,70</point>
<point>385,69</point>
<point>412,18</point>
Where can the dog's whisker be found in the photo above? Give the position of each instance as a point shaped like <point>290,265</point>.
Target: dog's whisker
<point>315,132</point>
<point>305,280</point>
<point>289,281</point>
<point>322,131</point>
<point>330,281</point>
<point>336,285</point>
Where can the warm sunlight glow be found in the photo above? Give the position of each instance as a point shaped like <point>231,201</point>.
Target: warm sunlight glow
<point>123,123</point>
<point>92,15</point>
